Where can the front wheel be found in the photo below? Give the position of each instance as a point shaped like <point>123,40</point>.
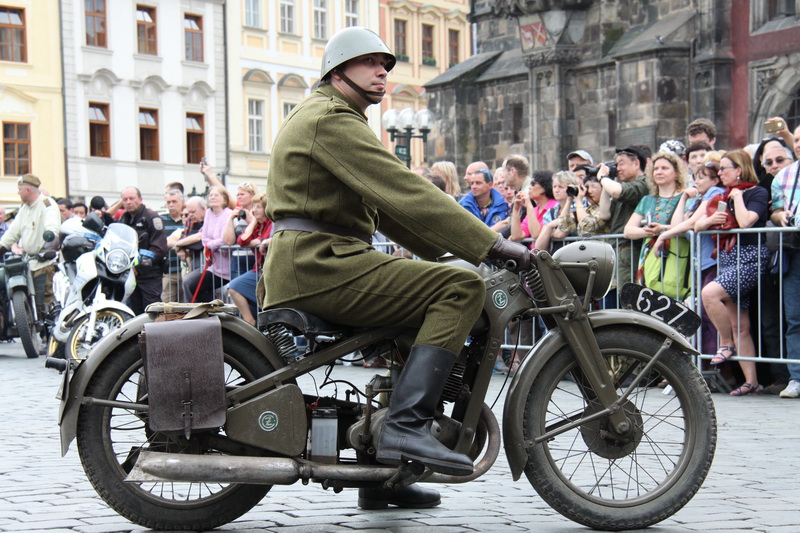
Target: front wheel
<point>110,439</point>
<point>26,327</point>
<point>81,341</point>
<point>606,480</point>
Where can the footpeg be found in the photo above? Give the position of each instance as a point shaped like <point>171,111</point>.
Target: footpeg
<point>407,473</point>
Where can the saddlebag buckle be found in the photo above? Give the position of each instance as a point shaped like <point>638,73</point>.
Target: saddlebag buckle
<point>183,366</point>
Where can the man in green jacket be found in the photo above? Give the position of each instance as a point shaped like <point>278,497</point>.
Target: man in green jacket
<point>332,185</point>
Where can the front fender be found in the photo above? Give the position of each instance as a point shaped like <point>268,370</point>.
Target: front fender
<point>549,345</point>
<point>16,281</point>
<point>115,305</point>
<point>74,389</point>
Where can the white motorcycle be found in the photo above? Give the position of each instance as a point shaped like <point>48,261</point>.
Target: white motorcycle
<point>95,281</point>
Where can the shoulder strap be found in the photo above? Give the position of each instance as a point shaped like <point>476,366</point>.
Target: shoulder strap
<point>794,188</point>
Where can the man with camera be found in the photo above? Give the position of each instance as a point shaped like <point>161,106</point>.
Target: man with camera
<point>618,202</point>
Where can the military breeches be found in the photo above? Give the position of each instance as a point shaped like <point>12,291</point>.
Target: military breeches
<point>442,301</point>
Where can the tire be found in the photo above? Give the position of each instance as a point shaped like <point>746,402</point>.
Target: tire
<point>77,347</point>
<point>26,329</point>
<point>629,482</point>
<point>109,439</point>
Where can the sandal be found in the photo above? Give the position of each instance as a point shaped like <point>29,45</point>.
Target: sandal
<point>747,388</point>
<point>720,357</point>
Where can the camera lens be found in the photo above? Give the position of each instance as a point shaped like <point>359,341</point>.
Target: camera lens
<point>242,213</point>
<point>572,191</point>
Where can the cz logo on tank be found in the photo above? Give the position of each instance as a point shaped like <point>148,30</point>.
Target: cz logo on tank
<point>268,421</point>
<point>500,299</point>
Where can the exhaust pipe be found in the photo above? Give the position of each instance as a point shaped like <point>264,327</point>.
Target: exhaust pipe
<point>176,467</point>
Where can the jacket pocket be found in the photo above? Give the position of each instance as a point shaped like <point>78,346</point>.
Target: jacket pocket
<point>345,249</point>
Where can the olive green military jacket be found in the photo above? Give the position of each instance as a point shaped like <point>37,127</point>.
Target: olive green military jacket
<point>328,165</point>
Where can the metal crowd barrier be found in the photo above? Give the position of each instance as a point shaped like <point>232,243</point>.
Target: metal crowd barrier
<point>528,333</point>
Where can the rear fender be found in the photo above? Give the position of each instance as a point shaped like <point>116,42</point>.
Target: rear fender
<point>73,392</point>
<point>547,347</point>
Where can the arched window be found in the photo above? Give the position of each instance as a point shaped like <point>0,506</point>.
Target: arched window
<point>793,115</point>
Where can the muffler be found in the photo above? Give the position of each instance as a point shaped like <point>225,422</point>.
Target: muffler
<point>174,467</point>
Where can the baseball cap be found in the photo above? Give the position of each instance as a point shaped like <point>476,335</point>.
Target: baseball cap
<point>583,154</point>
<point>636,152</point>
<point>674,146</point>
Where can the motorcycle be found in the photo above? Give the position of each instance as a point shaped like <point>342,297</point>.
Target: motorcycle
<point>582,420</point>
<point>19,317</point>
<point>96,279</point>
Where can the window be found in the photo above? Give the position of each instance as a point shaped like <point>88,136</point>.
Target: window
<point>146,29</point>
<point>287,16</point>
<point>12,35</point>
<point>351,13</point>
<point>255,124</point>
<point>780,8</point>
<point>427,45</point>
<point>287,108</point>
<point>320,19</point>
<point>793,115</point>
<point>96,23</point>
<point>148,134</point>
<point>193,37</point>
<point>452,47</point>
<point>400,40</point>
<point>516,123</point>
<point>252,13</point>
<point>195,138</point>
<point>16,148</point>
<point>99,131</point>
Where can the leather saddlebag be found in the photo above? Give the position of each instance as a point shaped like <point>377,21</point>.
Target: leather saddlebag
<point>183,365</point>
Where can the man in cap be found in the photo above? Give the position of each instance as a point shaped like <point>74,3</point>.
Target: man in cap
<point>618,202</point>
<point>37,215</point>
<point>326,200</point>
<point>577,158</point>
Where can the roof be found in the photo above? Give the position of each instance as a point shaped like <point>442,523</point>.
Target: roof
<point>475,63</point>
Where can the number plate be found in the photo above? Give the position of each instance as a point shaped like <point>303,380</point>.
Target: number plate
<point>660,306</point>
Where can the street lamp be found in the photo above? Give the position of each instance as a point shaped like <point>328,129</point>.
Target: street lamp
<point>402,125</point>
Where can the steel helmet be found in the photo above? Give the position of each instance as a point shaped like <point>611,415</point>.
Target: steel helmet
<point>350,43</point>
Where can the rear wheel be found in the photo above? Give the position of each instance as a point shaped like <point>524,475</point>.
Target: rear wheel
<point>610,481</point>
<point>110,439</point>
<point>26,327</point>
<point>80,340</point>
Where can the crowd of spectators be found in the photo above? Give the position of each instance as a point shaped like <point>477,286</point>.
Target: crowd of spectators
<point>201,248</point>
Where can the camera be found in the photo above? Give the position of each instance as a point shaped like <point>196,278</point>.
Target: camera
<point>592,171</point>
<point>242,213</point>
<point>572,191</point>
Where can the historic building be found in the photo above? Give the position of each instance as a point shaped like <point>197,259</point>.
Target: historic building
<point>145,94</point>
<point>31,109</point>
<point>551,76</point>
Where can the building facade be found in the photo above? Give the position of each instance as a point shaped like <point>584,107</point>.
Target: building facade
<point>552,76</point>
<point>145,94</point>
<point>31,109</point>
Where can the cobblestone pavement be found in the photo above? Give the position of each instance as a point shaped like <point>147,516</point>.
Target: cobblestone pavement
<point>751,486</point>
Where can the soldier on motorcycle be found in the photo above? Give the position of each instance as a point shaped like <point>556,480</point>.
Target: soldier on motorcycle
<point>332,185</point>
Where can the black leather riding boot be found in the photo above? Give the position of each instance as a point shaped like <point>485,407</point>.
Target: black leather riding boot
<point>410,497</point>
<point>406,434</point>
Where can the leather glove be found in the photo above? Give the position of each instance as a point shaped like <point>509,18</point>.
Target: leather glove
<point>48,255</point>
<point>3,251</point>
<point>506,250</point>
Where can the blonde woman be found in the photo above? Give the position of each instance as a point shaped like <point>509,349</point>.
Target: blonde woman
<point>447,170</point>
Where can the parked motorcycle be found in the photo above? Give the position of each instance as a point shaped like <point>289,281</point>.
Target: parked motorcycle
<point>96,281</point>
<point>18,313</point>
<point>197,447</point>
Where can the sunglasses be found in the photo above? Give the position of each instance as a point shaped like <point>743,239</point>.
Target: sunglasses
<point>778,160</point>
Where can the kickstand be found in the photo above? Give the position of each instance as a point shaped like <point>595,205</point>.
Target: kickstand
<point>716,381</point>
<point>406,474</point>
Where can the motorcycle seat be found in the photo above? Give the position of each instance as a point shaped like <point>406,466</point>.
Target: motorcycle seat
<point>300,322</point>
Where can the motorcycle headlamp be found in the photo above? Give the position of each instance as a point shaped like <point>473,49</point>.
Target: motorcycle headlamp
<point>117,261</point>
<point>575,257</point>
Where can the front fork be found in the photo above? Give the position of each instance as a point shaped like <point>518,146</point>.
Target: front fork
<point>98,297</point>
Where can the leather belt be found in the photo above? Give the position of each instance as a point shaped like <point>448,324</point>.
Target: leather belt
<point>311,226</point>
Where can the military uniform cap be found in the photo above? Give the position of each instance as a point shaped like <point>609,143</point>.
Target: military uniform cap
<point>29,179</point>
<point>351,43</point>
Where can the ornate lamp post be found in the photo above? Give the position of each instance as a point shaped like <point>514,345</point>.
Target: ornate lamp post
<point>402,125</point>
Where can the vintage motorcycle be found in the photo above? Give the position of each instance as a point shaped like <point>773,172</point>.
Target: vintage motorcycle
<point>18,314</point>
<point>97,280</point>
<point>197,446</point>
